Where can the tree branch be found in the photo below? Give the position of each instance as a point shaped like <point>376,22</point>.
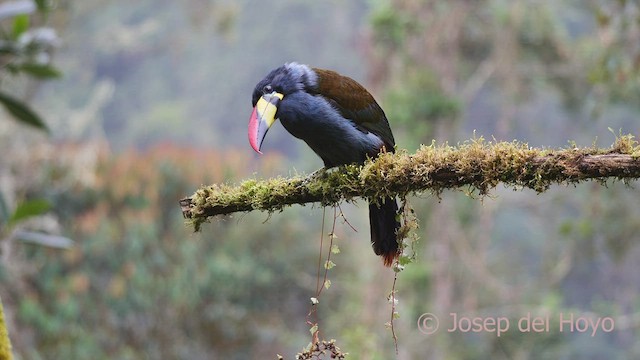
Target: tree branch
<point>478,164</point>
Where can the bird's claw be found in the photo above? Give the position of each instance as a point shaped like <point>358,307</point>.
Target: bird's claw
<point>315,175</point>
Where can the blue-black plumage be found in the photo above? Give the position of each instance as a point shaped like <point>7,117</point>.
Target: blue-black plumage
<point>339,120</point>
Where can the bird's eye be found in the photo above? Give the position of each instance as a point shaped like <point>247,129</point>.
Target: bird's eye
<point>267,89</point>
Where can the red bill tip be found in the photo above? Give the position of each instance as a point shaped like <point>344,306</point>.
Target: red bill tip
<point>254,124</point>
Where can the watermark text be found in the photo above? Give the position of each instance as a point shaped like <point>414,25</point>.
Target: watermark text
<point>563,322</point>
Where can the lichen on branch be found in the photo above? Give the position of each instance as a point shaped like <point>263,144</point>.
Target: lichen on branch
<point>478,164</point>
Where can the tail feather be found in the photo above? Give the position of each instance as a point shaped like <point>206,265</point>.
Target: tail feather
<point>384,226</point>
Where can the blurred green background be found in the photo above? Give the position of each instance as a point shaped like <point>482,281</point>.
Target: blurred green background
<point>153,100</point>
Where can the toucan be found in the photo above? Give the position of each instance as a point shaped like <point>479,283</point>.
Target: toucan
<point>339,120</point>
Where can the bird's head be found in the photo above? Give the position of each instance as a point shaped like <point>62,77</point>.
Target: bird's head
<point>270,91</point>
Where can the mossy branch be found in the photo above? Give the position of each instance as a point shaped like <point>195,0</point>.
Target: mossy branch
<point>478,164</point>
<point>5,342</point>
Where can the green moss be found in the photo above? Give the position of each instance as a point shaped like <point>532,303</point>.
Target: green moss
<point>476,164</point>
<point>5,343</point>
<point>626,144</point>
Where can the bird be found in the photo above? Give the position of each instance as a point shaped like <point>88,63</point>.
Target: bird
<point>339,120</point>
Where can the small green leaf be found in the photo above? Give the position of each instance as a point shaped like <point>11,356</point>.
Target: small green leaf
<point>329,264</point>
<point>20,25</point>
<point>308,348</point>
<point>327,284</point>
<point>40,71</point>
<point>22,112</point>
<point>405,260</point>
<point>29,209</point>
<point>392,299</point>
<point>313,329</point>
<point>335,249</point>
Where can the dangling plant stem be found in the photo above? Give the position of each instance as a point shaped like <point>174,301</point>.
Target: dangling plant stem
<point>326,283</point>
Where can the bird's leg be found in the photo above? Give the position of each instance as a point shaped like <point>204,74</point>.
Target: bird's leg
<point>315,175</point>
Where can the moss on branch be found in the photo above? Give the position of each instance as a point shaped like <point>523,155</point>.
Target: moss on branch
<point>5,342</point>
<point>478,164</point>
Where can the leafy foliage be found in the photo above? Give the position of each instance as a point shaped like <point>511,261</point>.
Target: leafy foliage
<point>21,112</point>
<point>28,209</point>
<point>26,50</point>
<point>152,271</point>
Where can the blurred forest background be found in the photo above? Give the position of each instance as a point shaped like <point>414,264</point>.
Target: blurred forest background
<point>153,99</point>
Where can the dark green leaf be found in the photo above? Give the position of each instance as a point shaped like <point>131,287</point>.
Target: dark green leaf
<point>20,25</point>
<point>22,112</point>
<point>28,209</point>
<point>40,71</point>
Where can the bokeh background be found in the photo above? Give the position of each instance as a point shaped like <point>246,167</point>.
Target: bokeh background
<point>153,101</point>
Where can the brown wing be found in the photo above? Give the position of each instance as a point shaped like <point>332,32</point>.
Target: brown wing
<point>355,103</point>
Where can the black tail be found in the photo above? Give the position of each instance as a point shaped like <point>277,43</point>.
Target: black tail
<point>384,226</point>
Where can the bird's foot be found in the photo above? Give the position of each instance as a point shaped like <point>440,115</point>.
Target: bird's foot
<point>315,175</point>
